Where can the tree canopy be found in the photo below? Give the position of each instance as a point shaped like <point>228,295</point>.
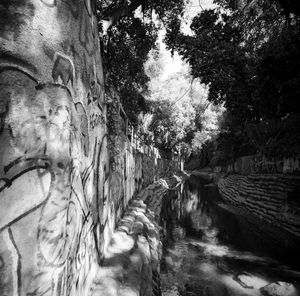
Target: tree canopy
<point>128,31</point>
<point>246,52</point>
<point>250,58</point>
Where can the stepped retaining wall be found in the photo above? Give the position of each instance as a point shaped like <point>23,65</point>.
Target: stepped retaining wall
<point>272,198</point>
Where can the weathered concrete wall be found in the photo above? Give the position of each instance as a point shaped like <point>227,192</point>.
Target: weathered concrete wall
<point>59,198</point>
<point>135,168</point>
<point>53,158</point>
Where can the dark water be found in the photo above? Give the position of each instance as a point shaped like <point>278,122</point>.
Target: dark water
<point>210,249</point>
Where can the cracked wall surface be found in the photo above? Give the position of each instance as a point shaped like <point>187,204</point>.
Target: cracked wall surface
<point>59,199</point>
<point>53,157</point>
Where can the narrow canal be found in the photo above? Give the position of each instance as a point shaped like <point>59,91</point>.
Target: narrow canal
<point>210,250</point>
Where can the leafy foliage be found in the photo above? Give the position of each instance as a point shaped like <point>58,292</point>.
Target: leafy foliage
<point>276,137</point>
<point>250,58</point>
<point>125,55</point>
<point>128,43</point>
<point>170,124</point>
<point>248,55</point>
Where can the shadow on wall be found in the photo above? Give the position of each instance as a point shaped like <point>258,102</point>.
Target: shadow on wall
<point>53,157</point>
<point>131,263</point>
<point>58,198</point>
<point>49,211</point>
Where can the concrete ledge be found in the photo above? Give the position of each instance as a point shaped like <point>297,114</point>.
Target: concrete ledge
<point>131,261</point>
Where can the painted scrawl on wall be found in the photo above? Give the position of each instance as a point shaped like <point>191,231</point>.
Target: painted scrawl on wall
<point>59,200</point>
<point>53,157</point>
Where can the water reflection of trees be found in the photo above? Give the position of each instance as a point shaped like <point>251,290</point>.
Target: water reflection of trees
<point>204,242</point>
<point>196,208</point>
<point>186,210</point>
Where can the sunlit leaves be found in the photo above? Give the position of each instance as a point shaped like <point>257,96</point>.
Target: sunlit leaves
<point>249,56</point>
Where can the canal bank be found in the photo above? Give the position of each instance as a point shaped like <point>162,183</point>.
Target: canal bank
<point>180,237</point>
<point>209,249</point>
<point>131,264</point>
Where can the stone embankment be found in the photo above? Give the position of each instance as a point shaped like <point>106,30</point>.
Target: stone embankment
<point>262,188</point>
<point>131,262</point>
<point>271,198</point>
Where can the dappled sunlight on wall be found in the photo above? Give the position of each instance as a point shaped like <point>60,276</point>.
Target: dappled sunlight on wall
<point>59,198</point>
<point>53,156</point>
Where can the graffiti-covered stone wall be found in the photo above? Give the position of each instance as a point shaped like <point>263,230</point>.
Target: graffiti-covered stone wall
<point>59,197</point>
<point>53,157</point>
<point>136,166</point>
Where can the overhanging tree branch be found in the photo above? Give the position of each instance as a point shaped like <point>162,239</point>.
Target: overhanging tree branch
<point>290,6</point>
<point>112,15</point>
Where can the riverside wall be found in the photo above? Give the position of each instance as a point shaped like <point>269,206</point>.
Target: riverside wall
<point>268,189</point>
<point>131,265</point>
<point>59,197</point>
<point>258,163</point>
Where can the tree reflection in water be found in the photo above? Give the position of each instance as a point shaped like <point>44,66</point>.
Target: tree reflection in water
<point>211,251</point>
